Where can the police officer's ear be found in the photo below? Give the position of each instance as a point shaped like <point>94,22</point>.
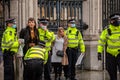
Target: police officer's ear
<point>111,21</point>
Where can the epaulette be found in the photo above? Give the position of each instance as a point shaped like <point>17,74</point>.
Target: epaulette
<point>106,27</point>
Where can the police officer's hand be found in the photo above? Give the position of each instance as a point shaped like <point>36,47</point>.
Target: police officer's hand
<point>99,56</point>
<point>45,29</point>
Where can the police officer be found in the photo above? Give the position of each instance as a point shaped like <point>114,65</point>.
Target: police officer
<point>74,42</point>
<point>9,48</point>
<point>34,61</point>
<point>48,37</point>
<point>111,38</point>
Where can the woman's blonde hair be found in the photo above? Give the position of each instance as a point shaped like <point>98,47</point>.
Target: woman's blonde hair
<point>59,29</point>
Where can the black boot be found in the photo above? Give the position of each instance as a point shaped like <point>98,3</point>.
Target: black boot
<point>59,78</point>
<point>56,76</point>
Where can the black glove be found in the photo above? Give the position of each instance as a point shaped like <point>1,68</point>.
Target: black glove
<point>99,56</point>
<point>9,52</point>
<point>5,51</point>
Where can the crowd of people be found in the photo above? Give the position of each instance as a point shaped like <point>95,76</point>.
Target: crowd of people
<point>42,49</point>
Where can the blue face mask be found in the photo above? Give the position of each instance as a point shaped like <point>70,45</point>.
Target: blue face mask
<point>73,25</point>
<point>43,27</point>
<point>14,26</point>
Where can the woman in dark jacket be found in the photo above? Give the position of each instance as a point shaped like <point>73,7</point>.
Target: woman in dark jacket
<point>29,34</point>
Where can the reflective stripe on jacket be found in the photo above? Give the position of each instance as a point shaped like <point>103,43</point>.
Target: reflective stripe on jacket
<point>36,53</point>
<point>75,39</point>
<point>10,40</point>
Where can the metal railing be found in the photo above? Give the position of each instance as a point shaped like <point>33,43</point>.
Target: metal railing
<point>109,7</point>
<point>60,11</point>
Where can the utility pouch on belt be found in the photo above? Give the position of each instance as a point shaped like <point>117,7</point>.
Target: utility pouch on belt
<point>9,52</point>
<point>119,50</point>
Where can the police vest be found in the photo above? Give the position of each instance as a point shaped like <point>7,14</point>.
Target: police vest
<point>72,36</point>
<point>111,37</point>
<point>10,40</point>
<point>35,53</point>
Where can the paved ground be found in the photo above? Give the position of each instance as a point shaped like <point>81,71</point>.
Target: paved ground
<point>91,75</point>
<point>1,71</point>
<point>81,75</point>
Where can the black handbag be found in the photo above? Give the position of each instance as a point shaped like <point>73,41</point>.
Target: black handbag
<point>60,53</point>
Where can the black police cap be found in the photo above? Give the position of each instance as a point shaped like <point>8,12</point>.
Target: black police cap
<point>43,20</point>
<point>42,43</point>
<point>71,21</point>
<point>10,20</point>
<point>114,16</point>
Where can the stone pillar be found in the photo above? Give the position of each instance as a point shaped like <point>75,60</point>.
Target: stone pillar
<point>35,9</point>
<point>31,8</point>
<point>19,14</point>
<point>22,10</point>
<point>92,15</point>
<point>14,9</point>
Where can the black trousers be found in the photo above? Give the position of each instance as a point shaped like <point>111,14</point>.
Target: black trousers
<point>47,69</point>
<point>111,65</point>
<point>65,69</point>
<point>57,69</point>
<point>8,66</point>
<point>72,58</point>
<point>33,69</point>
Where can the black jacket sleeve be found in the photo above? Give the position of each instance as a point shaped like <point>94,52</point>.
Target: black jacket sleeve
<point>22,33</point>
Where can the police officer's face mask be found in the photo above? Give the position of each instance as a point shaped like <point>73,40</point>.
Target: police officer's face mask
<point>73,25</point>
<point>116,23</point>
<point>43,27</point>
<point>14,26</point>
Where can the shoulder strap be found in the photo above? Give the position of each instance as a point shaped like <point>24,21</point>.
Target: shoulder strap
<point>77,33</point>
<point>69,31</point>
<point>109,31</point>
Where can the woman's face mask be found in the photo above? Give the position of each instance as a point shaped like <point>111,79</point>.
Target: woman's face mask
<point>73,25</point>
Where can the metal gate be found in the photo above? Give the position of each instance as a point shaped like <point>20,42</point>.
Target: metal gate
<point>59,11</point>
<point>108,8</point>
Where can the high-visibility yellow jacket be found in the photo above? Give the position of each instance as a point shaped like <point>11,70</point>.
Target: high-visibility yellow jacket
<point>75,38</point>
<point>111,38</point>
<point>46,36</point>
<point>10,40</point>
<point>36,52</point>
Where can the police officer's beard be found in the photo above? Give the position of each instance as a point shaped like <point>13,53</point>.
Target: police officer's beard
<point>116,23</point>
